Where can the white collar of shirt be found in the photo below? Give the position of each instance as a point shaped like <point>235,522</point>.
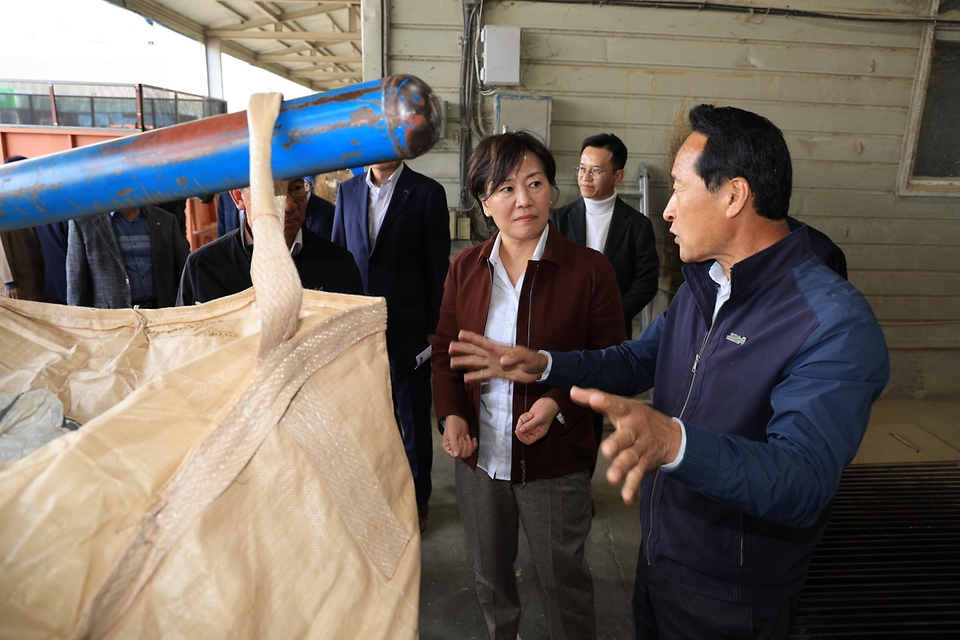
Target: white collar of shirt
<point>600,207</point>
<point>392,180</point>
<point>723,293</point>
<point>242,218</point>
<point>537,252</point>
<point>378,201</point>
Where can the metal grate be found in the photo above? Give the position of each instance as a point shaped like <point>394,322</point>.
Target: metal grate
<point>889,563</point>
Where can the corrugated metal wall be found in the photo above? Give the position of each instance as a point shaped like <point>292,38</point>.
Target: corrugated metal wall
<point>839,89</point>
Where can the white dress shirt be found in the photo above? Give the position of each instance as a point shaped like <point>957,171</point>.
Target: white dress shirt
<point>496,395</point>
<point>378,199</point>
<point>599,214</point>
<point>242,217</point>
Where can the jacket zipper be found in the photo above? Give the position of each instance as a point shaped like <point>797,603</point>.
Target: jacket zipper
<point>696,364</point>
<point>653,488</point>
<point>741,539</point>
<point>523,450</point>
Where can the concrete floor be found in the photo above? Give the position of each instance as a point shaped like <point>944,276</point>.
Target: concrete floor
<point>448,601</point>
<point>922,432</point>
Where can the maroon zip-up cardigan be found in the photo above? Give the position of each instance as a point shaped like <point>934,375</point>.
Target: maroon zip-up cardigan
<point>569,300</point>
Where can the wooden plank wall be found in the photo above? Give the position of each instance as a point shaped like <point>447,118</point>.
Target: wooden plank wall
<point>840,90</point>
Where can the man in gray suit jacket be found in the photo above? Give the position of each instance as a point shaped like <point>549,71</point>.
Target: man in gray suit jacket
<point>602,221</point>
<point>124,259</point>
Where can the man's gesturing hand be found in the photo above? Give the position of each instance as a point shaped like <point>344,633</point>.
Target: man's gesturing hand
<point>644,438</point>
<point>482,359</point>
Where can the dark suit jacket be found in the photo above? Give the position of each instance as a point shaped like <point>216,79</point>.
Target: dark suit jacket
<point>53,243</point>
<point>319,215</point>
<point>222,268</point>
<point>96,274</point>
<point>409,261</point>
<point>631,248</point>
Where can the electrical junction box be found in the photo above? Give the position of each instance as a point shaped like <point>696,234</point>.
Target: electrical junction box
<point>523,112</point>
<point>501,55</point>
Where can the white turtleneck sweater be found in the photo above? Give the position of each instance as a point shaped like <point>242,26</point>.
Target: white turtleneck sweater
<point>599,214</point>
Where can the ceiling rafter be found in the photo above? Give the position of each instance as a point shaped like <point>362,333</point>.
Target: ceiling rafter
<point>322,2</point>
<point>293,57</point>
<point>334,75</point>
<point>325,36</point>
<point>229,8</point>
<point>313,61</point>
<point>283,17</point>
<point>313,38</point>
<point>340,66</point>
<point>352,28</point>
<point>354,2</point>
<point>271,12</point>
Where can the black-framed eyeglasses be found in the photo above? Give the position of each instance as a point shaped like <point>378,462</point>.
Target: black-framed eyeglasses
<point>299,189</point>
<point>596,172</point>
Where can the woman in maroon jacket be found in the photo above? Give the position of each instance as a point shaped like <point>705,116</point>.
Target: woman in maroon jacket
<point>524,450</point>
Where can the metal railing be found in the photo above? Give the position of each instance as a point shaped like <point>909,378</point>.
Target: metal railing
<point>137,107</point>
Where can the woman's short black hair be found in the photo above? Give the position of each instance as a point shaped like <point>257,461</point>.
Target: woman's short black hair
<point>744,144</point>
<point>496,157</point>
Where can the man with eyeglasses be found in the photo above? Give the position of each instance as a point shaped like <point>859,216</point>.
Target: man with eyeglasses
<point>222,267</point>
<point>319,218</point>
<point>604,222</point>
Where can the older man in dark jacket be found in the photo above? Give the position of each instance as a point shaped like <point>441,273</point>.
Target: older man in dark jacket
<point>222,267</point>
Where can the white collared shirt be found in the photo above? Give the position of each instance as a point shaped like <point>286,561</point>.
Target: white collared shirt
<point>495,454</point>
<point>723,282</point>
<point>297,242</point>
<point>378,199</point>
<point>599,213</point>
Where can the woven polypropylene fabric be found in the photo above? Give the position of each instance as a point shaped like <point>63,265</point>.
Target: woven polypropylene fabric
<point>239,475</point>
<point>313,535</point>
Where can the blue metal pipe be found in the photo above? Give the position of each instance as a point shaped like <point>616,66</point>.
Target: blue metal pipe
<point>397,117</point>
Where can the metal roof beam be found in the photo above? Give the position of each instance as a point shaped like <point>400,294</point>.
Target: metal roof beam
<point>293,57</point>
<point>356,2</point>
<point>331,75</point>
<point>325,36</point>
<point>284,17</point>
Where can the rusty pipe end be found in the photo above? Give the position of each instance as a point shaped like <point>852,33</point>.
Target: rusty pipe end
<point>413,114</point>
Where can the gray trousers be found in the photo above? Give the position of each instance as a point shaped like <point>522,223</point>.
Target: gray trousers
<point>556,518</point>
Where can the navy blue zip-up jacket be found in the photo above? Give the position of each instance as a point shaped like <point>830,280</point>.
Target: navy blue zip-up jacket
<point>775,396</point>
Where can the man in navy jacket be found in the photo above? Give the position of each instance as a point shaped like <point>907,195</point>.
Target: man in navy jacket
<point>395,223</point>
<point>764,369</point>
